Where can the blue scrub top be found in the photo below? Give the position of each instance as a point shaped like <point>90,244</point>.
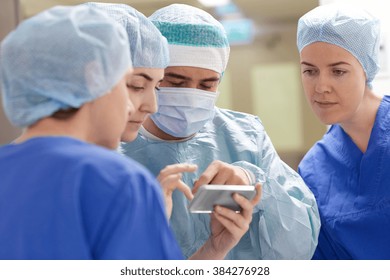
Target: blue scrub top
<point>61,198</point>
<point>352,191</point>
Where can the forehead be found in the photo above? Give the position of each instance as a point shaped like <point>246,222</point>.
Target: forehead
<point>129,73</point>
<point>325,53</point>
<point>192,73</point>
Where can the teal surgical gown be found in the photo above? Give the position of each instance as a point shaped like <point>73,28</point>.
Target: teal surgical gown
<point>285,223</point>
<point>353,191</point>
<point>61,198</point>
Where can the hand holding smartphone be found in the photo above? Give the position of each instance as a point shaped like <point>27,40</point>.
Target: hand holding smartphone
<point>210,195</point>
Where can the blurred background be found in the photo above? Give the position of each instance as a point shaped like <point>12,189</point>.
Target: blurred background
<point>263,74</point>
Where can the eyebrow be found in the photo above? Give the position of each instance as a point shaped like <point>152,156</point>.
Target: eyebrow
<point>178,76</point>
<point>146,76</point>
<point>330,65</point>
<point>339,63</point>
<point>307,63</point>
<point>213,79</point>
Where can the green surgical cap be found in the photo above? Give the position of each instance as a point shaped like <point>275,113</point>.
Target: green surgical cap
<point>195,38</point>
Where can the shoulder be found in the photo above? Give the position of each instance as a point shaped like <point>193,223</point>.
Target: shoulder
<point>103,166</point>
<point>230,114</point>
<point>111,180</point>
<point>386,99</point>
<point>97,156</point>
<point>225,117</point>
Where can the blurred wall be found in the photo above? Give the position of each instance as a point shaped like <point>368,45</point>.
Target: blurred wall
<point>9,18</point>
<point>381,83</point>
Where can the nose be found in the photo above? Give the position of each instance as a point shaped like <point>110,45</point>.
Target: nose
<point>150,103</point>
<point>192,84</point>
<point>322,84</point>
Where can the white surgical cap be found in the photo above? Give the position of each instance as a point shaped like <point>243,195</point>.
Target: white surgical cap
<point>195,38</point>
<point>352,29</point>
<point>148,48</point>
<point>59,59</point>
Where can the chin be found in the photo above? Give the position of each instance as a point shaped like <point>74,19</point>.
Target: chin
<point>128,137</point>
<point>111,145</point>
<point>327,120</point>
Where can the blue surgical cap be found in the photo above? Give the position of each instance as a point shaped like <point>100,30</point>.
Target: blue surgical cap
<point>350,28</point>
<point>195,38</point>
<point>59,59</point>
<point>148,48</point>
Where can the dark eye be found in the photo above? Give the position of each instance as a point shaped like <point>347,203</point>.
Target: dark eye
<point>206,86</point>
<point>339,72</point>
<point>309,72</point>
<point>135,88</point>
<point>176,84</point>
<point>157,88</point>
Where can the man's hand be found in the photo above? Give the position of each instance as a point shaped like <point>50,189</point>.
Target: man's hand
<point>228,227</point>
<point>221,173</point>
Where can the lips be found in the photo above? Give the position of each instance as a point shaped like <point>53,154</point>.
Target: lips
<point>324,104</point>
<point>135,122</point>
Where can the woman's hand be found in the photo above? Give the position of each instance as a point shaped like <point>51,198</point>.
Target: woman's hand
<point>170,179</point>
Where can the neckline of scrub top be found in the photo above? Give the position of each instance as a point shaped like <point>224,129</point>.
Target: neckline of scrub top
<point>347,146</point>
<point>151,136</point>
<point>44,138</point>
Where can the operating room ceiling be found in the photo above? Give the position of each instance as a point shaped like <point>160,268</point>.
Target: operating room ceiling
<point>261,11</point>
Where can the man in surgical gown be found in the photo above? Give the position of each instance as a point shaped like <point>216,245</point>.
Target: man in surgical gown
<point>189,128</point>
<point>348,169</point>
<point>64,75</point>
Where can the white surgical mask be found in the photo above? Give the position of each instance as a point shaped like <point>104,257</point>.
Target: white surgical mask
<point>183,111</point>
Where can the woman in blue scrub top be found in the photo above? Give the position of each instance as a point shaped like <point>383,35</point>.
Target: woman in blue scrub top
<point>64,75</point>
<point>348,169</point>
<point>150,56</point>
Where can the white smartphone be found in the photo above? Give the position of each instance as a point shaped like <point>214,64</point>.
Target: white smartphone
<point>208,196</point>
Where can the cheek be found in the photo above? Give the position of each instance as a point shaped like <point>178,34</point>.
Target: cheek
<point>307,82</point>
<point>124,105</point>
<point>214,89</point>
<point>308,88</point>
<point>353,100</point>
<point>135,99</point>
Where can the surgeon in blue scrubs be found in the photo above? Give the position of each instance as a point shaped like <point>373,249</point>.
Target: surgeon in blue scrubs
<point>228,147</point>
<point>348,169</point>
<point>64,75</point>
